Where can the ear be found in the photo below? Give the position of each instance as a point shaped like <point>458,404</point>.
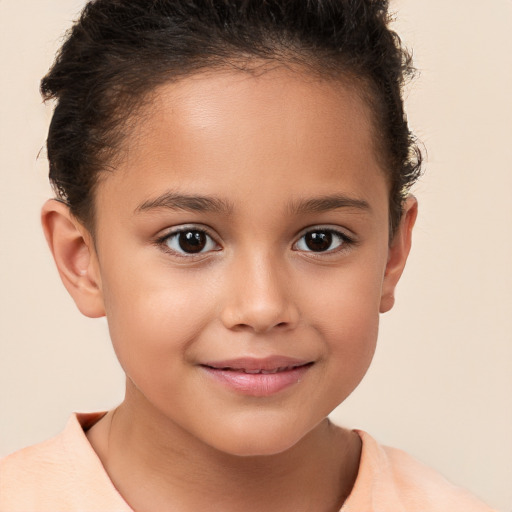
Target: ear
<point>398,252</point>
<point>73,250</point>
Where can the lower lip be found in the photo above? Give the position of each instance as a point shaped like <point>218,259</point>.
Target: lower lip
<point>258,384</point>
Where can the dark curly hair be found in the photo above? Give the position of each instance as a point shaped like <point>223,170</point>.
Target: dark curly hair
<point>121,50</point>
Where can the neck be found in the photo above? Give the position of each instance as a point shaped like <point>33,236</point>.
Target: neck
<point>157,466</point>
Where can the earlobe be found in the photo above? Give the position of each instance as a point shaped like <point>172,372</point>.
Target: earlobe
<point>74,254</point>
<point>398,253</point>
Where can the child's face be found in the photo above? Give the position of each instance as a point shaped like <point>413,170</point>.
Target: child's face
<point>283,258</point>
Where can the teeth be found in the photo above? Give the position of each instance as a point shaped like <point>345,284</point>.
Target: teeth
<point>266,372</point>
<point>259,371</point>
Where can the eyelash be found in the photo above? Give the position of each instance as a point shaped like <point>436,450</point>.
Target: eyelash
<point>163,241</point>
<point>345,241</point>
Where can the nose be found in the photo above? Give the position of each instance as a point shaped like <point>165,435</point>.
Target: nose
<point>259,296</point>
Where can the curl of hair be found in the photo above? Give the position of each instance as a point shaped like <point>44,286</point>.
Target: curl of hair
<point>120,50</point>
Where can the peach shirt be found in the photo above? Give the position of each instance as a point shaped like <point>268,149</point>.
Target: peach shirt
<point>65,474</point>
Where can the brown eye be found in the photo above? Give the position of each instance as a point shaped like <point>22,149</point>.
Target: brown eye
<point>321,240</point>
<point>318,241</point>
<point>190,241</point>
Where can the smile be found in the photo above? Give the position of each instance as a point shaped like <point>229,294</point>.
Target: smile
<point>260,371</point>
<point>258,377</point>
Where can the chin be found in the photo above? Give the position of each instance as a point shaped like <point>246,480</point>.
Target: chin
<point>256,440</point>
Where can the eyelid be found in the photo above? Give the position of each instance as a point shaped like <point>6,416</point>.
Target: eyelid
<point>160,240</point>
<point>349,240</point>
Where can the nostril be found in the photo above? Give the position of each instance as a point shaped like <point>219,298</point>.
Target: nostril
<point>259,313</point>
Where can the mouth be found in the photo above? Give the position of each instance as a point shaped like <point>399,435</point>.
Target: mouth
<point>257,371</point>
<point>258,377</point>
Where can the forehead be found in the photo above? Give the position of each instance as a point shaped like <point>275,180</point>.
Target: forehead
<point>251,131</point>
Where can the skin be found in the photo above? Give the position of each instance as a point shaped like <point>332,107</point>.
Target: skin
<point>262,147</point>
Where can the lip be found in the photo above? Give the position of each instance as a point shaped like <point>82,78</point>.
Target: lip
<point>258,377</point>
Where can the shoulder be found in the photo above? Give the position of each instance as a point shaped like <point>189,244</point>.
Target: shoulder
<point>390,480</point>
<point>26,475</point>
<point>62,473</point>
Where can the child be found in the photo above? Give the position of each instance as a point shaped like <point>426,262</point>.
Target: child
<point>232,194</point>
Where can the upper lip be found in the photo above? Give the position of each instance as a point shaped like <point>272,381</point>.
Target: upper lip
<point>254,364</point>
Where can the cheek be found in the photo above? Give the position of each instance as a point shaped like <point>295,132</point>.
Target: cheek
<point>346,316</point>
<point>347,301</point>
<point>154,316</point>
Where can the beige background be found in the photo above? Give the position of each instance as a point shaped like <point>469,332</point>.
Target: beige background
<point>441,383</point>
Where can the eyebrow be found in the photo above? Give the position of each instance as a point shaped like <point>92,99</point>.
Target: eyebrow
<point>176,201</point>
<point>328,203</point>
